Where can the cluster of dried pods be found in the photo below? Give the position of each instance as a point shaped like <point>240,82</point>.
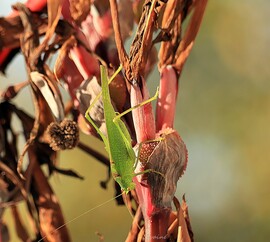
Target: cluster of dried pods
<point>84,34</point>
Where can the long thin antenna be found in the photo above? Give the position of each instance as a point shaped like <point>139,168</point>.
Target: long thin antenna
<point>81,215</point>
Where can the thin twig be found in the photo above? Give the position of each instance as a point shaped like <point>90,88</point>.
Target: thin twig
<point>103,159</point>
<point>190,35</point>
<point>123,57</point>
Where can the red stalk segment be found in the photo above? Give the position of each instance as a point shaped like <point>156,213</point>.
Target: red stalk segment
<point>143,117</point>
<point>166,103</point>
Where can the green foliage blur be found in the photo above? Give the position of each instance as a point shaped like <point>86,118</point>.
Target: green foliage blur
<point>222,115</point>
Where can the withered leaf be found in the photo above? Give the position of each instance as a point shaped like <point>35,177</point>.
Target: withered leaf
<point>79,9</point>
<point>126,18</point>
<point>86,93</point>
<point>20,228</point>
<point>59,66</point>
<point>4,232</point>
<point>54,10</point>
<point>169,160</point>
<point>183,232</point>
<point>53,101</point>
<point>13,90</point>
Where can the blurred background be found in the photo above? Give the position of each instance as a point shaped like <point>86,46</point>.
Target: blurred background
<point>223,116</point>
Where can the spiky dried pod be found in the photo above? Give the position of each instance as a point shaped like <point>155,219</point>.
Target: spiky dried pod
<point>64,135</point>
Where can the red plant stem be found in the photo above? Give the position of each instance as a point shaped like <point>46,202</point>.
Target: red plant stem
<point>158,225</point>
<point>143,117</point>
<point>166,103</point>
<point>156,220</point>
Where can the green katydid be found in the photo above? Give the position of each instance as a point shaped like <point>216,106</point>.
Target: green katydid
<point>118,141</point>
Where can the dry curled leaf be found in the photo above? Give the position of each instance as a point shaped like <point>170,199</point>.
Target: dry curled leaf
<point>126,18</point>
<point>5,237</point>
<point>79,10</point>
<point>54,9</point>
<point>183,234</point>
<point>54,101</point>
<point>86,94</point>
<point>168,161</point>
<point>13,90</point>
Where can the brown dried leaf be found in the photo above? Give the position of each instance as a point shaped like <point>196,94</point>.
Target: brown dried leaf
<point>54,10</point>
<point>44,117</point>
<point>184,207</point>
<point>86,94</point>
<point>20,229</point>
<point>54,13</point>
<point>123,57</point>
<point>126,18</point>
<point>172,230</point>
<point>190,35</point>
<point>49,210</point>
<point>54,101</point>
<point>2,140</point>
<point>172,29</point>
<point>135,229</point>
<point>183,233</point>
<point>5,237</point>
<point>17,182</point>
<point>3,189</point>
<point>79,10</point>
<point>13,90</point>
<point>142,43</point>
<point>169,160</point>
<point>151,61</point>
<point>59,67</point>
<point>30,38</point>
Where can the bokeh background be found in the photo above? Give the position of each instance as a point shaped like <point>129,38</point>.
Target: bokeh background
<point>223,116</point>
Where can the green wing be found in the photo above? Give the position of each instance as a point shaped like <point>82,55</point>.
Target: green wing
<point>119,142</point>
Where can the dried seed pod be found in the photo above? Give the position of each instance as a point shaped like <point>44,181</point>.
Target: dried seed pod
<point>64,135</point>
<point>167,163</point>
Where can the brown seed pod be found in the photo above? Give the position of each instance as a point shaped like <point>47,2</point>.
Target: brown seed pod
<point>64,135</point>
<point>167,163</point>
